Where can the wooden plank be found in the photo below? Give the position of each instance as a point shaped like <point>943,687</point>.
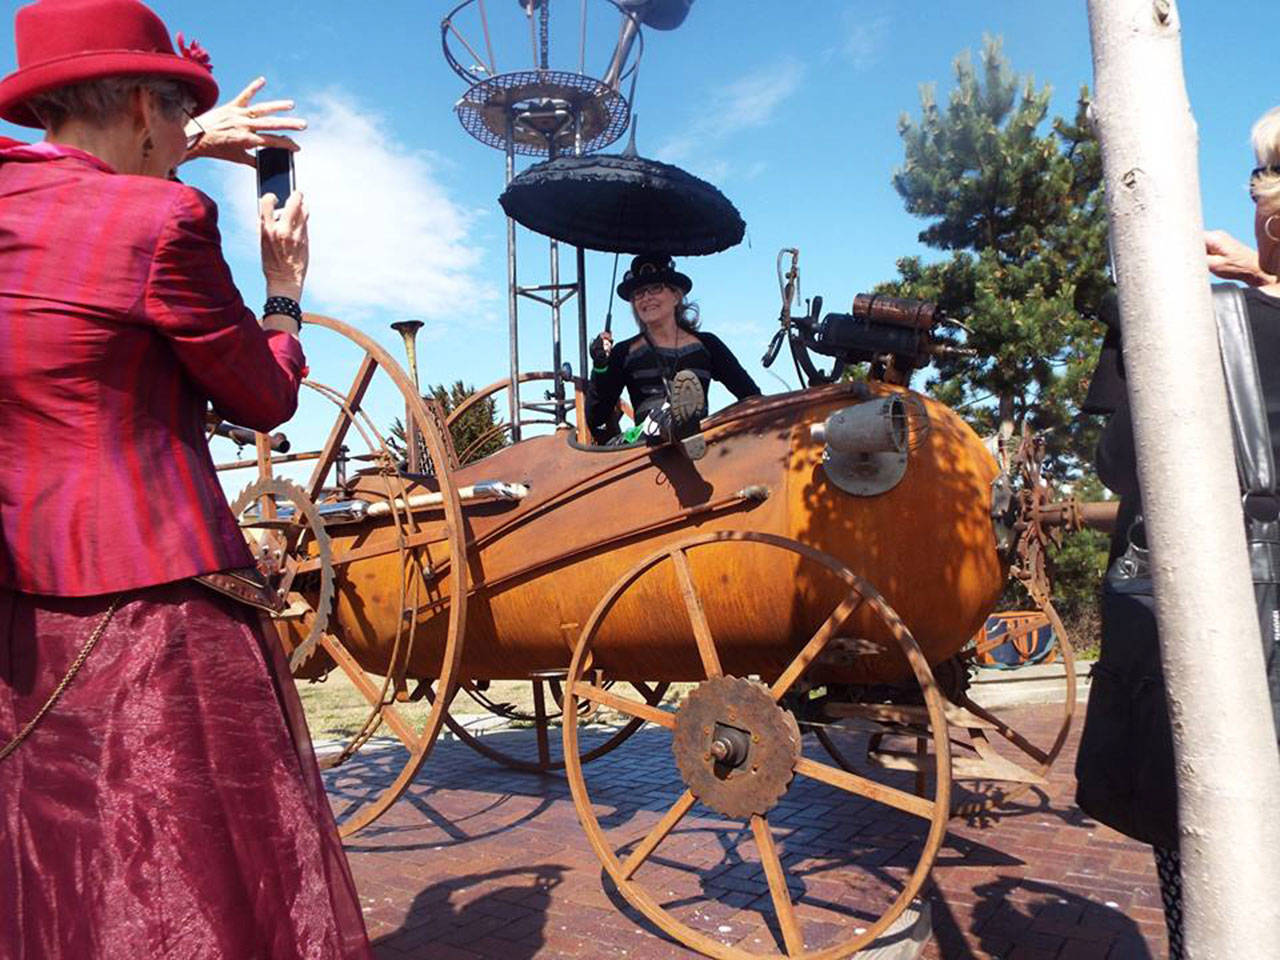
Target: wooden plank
<point>697,616</point>
<point>863,787</point>
<point>659,833</point>
<point>632,708</point>
<point>340,426</point>
<point>815,645</point>
<point>792,935</point>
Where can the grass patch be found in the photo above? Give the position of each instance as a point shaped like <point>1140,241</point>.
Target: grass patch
<point>336,709</point>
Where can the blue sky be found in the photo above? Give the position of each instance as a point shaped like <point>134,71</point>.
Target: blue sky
<point>791,109</point>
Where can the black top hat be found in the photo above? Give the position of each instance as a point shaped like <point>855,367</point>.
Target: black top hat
<point>649,268</point>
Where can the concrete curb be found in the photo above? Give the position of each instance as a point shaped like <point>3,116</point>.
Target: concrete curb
<point>1022,686</point>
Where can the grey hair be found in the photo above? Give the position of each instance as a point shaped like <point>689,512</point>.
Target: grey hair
<point>687,312</point>
<point>1266,150</point>
<point>688,316</point>
<point>101,102</point>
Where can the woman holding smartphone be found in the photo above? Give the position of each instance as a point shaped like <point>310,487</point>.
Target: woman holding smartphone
<point>158,792</point>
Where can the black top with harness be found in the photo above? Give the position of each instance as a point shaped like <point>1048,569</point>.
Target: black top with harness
<point>643,369</point>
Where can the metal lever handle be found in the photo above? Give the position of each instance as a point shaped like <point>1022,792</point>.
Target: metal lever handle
<point>244,436</point>
<point>775,345</point>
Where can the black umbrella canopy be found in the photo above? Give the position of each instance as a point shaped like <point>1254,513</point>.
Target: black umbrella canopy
<point>623,204</point>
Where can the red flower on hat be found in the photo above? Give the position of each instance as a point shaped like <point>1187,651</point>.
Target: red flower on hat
<point>194,52</point>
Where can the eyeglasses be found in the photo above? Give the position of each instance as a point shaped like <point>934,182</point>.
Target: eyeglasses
<point>648,290</point>
<point>193,138</point>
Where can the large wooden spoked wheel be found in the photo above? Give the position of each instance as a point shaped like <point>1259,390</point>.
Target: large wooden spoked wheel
<point>993,763</point>
<point>379,691</point>
<point>729,727</point>
<point>537,754</point>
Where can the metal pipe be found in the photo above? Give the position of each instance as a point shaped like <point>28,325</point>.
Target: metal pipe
<point>626,37</point>
<point>1100,515</point>
<point>243,436</point>
<point>583,370</point>
<point>275,461</point>
<point>488,41</point>
<point>353,511</point>
<point>558,382</point>
<point>1224,735</point>
<point>513,322</point>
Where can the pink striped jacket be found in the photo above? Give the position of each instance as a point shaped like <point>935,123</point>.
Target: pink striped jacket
<point>119,322</point>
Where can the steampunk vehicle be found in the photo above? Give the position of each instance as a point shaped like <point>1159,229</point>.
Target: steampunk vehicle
<point>821,570</point>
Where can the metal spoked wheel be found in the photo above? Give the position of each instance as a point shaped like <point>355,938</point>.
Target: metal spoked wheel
<point>527,744</point>
<point>737,754</point>
<point>995,743</point>
<point>477,445</point>
<point>501,431</point>
<point>431,569</point>
<point>993,762</point>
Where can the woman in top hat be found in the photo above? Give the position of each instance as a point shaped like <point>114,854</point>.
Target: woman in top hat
<point>667,367</point>
<point>158,793</point>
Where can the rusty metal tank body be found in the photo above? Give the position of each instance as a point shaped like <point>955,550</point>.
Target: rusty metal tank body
<point>540,565</point>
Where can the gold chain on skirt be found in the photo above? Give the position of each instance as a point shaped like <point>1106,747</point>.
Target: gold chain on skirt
<point>65,682</point>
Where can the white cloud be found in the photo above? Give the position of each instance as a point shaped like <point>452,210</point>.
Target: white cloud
<point>866,39</point>
<point>864,42</point>
<point>745,103</point>
<point>386,237</point>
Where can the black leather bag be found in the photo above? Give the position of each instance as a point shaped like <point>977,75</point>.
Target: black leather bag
<point>1125,770</point>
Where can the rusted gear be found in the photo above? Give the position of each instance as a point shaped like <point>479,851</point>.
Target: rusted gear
<point>1033,503</point>
<point>280,566</point>
<point>736,748</point>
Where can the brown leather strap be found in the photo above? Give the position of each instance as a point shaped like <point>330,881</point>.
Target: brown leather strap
<point>246,585</point>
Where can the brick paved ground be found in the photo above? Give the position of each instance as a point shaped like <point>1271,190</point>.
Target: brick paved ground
<point>480,861</point>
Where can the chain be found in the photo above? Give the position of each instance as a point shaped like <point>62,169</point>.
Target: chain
<point>70,675</point>
<point>544,27</point>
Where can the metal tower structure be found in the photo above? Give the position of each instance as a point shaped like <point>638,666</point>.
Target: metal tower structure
<point>540,111</point>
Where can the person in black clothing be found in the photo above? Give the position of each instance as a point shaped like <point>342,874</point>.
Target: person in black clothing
<point>667,367</point>
<point>1125,768</point>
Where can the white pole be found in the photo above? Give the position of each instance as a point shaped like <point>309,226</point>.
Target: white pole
<point>1224,737</point>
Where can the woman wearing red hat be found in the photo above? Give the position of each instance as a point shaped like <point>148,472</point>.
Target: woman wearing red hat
<point>158,793</point>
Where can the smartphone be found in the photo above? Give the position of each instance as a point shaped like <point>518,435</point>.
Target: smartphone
<point>275,173</point>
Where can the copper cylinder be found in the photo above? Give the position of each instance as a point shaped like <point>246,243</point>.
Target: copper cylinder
<point>927,544</point>
<point>899,311</point>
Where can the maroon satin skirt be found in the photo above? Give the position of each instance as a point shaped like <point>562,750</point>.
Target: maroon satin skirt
<point>169,805</point>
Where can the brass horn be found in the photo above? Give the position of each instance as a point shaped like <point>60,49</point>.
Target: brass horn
<point>408,330</point>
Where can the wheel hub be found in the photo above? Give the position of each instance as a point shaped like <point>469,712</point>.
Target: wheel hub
<point>735,747</point>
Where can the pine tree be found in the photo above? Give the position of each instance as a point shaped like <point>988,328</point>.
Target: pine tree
<point>476,434</point>
<point>1021,213</point>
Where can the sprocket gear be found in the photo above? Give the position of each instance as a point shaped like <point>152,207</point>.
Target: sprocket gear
<point>736,748</point>
<point>285,565</point>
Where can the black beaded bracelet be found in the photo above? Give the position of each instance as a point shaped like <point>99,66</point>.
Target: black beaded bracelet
<point>286,306</point>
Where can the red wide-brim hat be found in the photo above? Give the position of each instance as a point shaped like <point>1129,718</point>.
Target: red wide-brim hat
<point>61,42</point>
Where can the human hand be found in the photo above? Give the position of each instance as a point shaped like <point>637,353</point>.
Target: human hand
<point>235,129</point>
<point>1231,259</point>
<point>285,249</point>
<point>601,347</point>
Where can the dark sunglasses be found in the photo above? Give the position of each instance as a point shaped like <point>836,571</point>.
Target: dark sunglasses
<point>193,138</point>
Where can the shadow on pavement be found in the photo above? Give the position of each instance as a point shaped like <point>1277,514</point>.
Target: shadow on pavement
<point>1018,912</point>
<point>506,919</point>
